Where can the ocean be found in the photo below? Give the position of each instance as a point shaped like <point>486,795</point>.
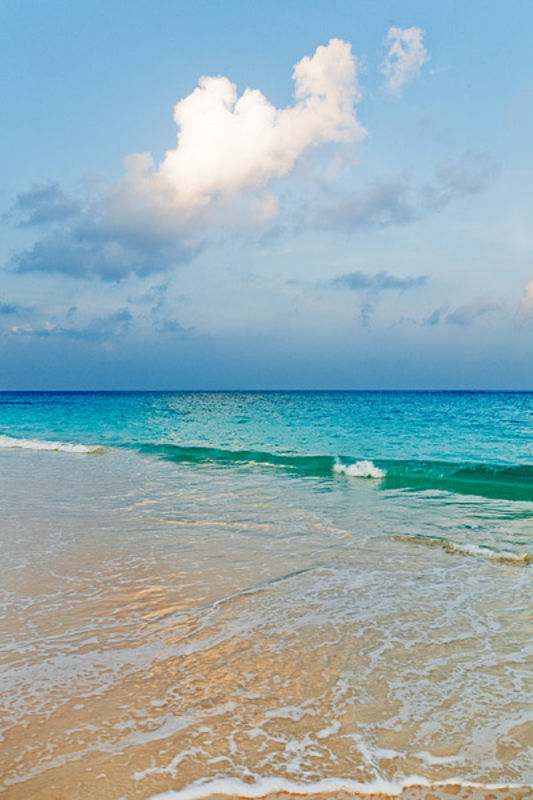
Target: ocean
<point>266,594</point>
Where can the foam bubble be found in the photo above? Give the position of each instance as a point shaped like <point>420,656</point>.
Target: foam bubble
<point>361,469</point>
<point>40,444</point>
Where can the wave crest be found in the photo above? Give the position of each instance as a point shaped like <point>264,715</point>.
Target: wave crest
<point>510,482</point>
<point>361,469</point>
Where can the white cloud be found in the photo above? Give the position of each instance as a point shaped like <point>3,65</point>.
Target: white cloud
<point>227,144</point>
<point>228,149</point>
<point>405,58</point>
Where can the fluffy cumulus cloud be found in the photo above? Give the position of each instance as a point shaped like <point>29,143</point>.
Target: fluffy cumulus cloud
<point>405,58</point>
<point>228,149</point>
<point>227,143</point>
<point>221,175</point>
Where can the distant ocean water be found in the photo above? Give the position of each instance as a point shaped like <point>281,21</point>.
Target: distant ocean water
<point>266,594</point>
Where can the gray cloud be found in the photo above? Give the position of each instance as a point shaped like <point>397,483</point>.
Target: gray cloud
<point>366,311</point>
<point>466,314</point>
<point>357,281</point>
<point>98,329</point>
<point>44,205</point>
<point>169,327</point>
<point>102,253</point>
<point>435,317</point>
<point>371,286</point>
<point>9,308</point>
<point>397,201</point>
<point>403,322</point>
<point>382,203</point>
<point>470,174</point>
<point>13,308</point>
<point>110,326</point>
<point>155,295</point>
<point>110,234</point>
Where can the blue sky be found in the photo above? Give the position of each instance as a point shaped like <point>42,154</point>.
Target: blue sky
<point>347,205</point>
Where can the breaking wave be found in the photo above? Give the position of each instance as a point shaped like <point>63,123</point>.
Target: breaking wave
<point>40,444</point>
<point>499,481</point>
<point>361,469</point>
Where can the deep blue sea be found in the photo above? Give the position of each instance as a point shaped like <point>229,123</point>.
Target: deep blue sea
<point>258,592</point>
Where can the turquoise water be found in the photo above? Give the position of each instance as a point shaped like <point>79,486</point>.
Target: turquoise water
<point>445,426</point>
<point>479,443</point>
<point>237,587</point>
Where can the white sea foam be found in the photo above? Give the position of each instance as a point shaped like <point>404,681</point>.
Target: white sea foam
<point>373,753</point>
<point>41,444</point>
<point>329,730</point>
<point>479,551</point>
<point>232,787</point>
<point>488,552</point>
<point>361,469</point>
<point>289,712</point>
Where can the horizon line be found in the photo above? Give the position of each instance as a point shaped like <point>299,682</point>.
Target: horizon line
<point>264,391</point>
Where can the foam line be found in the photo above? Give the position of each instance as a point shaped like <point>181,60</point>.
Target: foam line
<point>234,788</point>
<point>503,556</point>
<point>41,444</point>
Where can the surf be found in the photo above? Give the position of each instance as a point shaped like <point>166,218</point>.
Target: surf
<point>497,481</point>
<point>414,788</point>
<point>472,550</point>
<point>50,446</point>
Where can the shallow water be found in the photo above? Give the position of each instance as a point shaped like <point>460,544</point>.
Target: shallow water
<point>181,615</point>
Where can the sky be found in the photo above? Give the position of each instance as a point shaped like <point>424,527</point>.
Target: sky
<point>287,195</point>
